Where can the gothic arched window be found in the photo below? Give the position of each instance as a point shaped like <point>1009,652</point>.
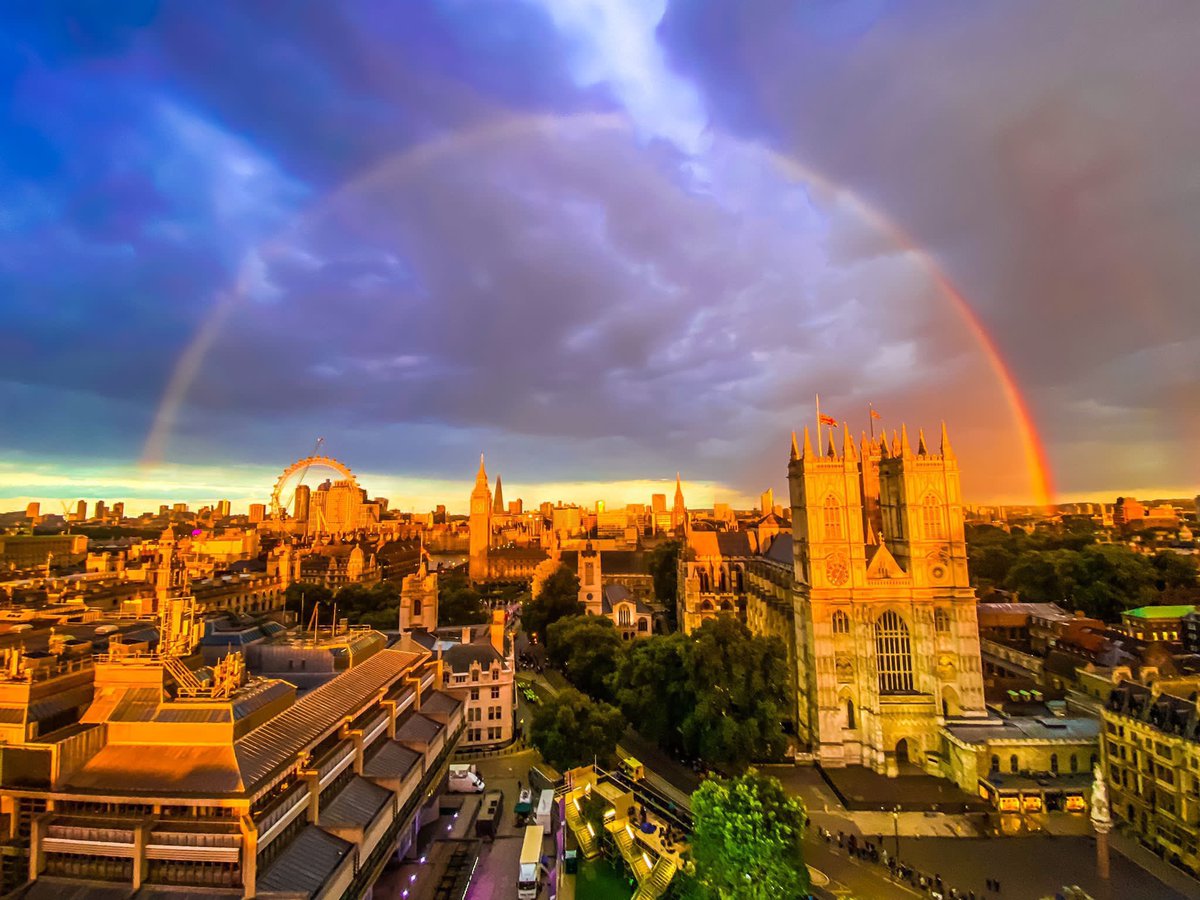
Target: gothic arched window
<point>933,519</point>
<point>833,519</point>
<point>893,654</point>
<point>941,620</point>
<point>849,713</point>
<point>624,619</point>
<point>416,606</point>
<point>841,623</point>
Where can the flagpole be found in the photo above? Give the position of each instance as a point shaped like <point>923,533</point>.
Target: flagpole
<point>871,419</point>
<point>819,444</point>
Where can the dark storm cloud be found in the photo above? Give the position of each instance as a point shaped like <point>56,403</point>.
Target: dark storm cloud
<point>454,226</point>
<point>1047,154</point>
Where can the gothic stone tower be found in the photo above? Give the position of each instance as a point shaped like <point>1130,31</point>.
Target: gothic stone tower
<point>886,631</point>
<point>480,524</point>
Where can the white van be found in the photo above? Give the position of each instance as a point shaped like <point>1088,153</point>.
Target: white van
<point>464,779</point>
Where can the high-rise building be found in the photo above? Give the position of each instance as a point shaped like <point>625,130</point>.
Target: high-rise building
<point>180,508</point>
<point>480,525</point>
<point>516,507</point>
<point>81,511</point>
<point>33,510</point>
<point>302,503</point>
<point>498,498</point>
<point>766,503</point>
<point>101,510</point>
<point>258,512</point>
<point>658,503</point>
<point>119,510</point>
<point>223,507</point>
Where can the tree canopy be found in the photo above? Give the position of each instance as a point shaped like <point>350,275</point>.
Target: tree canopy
<point>663,564</point>
<point>459,603</point>
<point>717,695</point>
<point>559,597</point>
<point>588,650</point>
<point>747,840</point>
<point>571,729</point>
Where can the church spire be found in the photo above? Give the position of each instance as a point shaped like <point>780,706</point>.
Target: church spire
<point>947,451</point>
<point>921,448</point>
<point>481,477</point>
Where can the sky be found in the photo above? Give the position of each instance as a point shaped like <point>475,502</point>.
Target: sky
<point>601,242</point>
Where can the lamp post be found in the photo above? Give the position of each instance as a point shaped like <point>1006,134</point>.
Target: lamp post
<point>896,828</point>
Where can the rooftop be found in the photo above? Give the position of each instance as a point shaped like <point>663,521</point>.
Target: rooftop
<point>1019,728</point>
<point>1160,612</point>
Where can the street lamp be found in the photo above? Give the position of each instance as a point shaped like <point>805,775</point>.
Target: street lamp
<point>896,827</point>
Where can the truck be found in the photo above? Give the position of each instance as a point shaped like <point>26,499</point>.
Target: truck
<point>529,875</point>
<point>465,779</point>
<point>544,811</point>
<point>490,815</point>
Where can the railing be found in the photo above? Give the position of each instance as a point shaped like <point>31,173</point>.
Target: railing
<point>658,882</point>
<point>589,846</point>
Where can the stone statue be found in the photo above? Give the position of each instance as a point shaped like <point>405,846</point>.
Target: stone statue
<point>1100,811</point>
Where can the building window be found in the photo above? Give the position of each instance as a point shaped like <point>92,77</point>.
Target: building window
<point>933,519</point>
<point>941,620</point>
<point>1074,763</point>
<point>416,610</point>
<point>474,694</point>
<point>1014,764</point>
<point>589,572</point>
<point>893,655</point>
<point>496,693</point>
<point>995,763</point>
<point>833,519</point>
<point>841,623</point>
<point>849,713</point>
<point>624,618</point>
<point>1054,763</point>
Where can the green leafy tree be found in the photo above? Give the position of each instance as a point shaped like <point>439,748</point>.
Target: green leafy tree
<point>747,843</point>
<point>571,729</point>
<point>664,569</point>
<point>740,683</point>
<point>654,688</point>
<point>559,597</point>
<point>588,650</point>
<point>1174,570</point>
<point>459,603</point>
<point>308,595</point>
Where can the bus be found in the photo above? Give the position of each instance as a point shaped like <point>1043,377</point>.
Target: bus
<point>529,875</point>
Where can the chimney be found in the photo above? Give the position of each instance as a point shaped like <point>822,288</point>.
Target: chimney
<point>466,634</point>
<point>497,630</point>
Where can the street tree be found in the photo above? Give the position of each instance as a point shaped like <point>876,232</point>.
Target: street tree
<point>740,683</point>
<point>571,729</point>
<point>654,688</point>
<point>588,650</point>
<point>747,840</point>
<point>558,597</point>
<point>459,603</point>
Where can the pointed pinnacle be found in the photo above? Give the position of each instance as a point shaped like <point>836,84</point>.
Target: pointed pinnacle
<point>921,449</point>
<point>795,448</point>
<point>905,447</point>
<point>947,451</point>
<point>847,443</point>
<point>808,450</point>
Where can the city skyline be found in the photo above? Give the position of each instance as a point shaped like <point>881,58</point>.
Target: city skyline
<point>597,242</point>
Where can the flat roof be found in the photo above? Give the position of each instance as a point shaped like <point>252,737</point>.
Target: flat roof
<point>1018,728</point>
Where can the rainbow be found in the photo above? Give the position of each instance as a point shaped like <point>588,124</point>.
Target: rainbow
<point>413,159</point>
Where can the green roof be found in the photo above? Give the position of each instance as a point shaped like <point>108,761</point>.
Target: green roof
<point>1160,612</point>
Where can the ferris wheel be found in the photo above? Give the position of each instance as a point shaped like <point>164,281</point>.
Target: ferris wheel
<point>279,503</point>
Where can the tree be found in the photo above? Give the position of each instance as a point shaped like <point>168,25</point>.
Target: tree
<point>664,569</point>
<point>1174,570</point>
<point>740,683</point>
<point>459,603</point>
<point>571,729</point>
<point>747,840</point>
<point>654,689</point>
<point>588,650</point>
<point>308,595</point>
<point>559,597</point>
